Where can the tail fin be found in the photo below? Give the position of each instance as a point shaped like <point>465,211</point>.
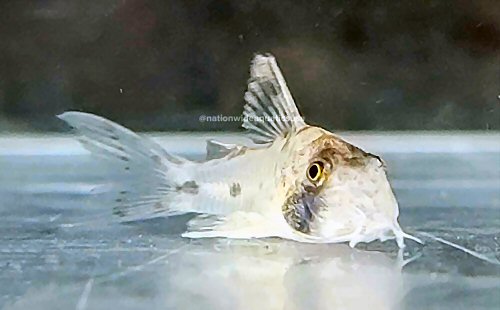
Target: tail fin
<point>144,167</point>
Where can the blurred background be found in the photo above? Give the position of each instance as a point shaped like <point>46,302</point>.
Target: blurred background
<point>158,65</point>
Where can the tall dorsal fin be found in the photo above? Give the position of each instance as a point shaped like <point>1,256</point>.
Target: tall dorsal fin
<point>270,111</point>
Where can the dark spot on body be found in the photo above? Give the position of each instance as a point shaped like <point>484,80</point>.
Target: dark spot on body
<point>156,159</point>
<point>124,158</point>
<point>158,208</point>
<point>114,138</point>
<point>119,212</point>
<point>127,168</point>
<point>189,187</point>
<point>235,189</point>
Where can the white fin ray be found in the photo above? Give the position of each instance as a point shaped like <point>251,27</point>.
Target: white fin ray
<point>237,225</point>
<point>204,222</point>
<point>143,190</point>
<point>270,111</point>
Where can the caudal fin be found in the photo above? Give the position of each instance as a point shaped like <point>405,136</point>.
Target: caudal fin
<point>145,183</point>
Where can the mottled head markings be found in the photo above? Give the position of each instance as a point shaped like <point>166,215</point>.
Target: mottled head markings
<point>235,189</point>
<point>298,211</point>
<point>189,187</point>
<point>340,152</point>
<point>304,205</point>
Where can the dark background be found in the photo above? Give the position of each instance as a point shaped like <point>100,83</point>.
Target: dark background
<point>158,65</point>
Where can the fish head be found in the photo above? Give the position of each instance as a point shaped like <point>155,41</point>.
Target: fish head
<point>337,192</point>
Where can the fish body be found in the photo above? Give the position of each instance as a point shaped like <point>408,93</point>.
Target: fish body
<point>294,181</point>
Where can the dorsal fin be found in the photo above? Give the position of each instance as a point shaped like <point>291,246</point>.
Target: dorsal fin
<point>217,149</point>
<point>270,111</point>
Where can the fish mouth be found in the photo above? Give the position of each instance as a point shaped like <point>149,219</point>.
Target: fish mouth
<point>316,217</point>
<point>303,214</point>
<point>358,236</point>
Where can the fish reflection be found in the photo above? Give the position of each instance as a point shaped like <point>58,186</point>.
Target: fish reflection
<point>282,276</point>
<point>212,274</point>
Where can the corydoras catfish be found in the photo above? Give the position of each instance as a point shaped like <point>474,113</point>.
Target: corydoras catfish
<point>294,181</point>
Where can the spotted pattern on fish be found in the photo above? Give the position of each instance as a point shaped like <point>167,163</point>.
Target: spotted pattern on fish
<point>302,205</point>
<point>347,197</point>
<point>235,189</point>
<point>189,187</point>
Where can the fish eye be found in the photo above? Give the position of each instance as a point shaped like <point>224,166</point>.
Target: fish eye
<point>315,171</point>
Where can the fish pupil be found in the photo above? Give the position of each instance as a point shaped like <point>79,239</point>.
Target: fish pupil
<point>315,170</point>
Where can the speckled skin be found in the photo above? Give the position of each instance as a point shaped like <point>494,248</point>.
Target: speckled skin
<point>259,190</point>
<point>352,202</point>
